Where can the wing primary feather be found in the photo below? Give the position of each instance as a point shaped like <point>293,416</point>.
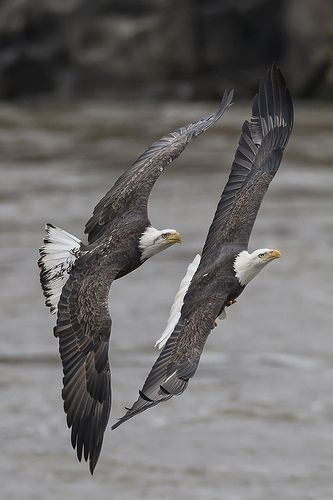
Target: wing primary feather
<point>252,170</point>
<point>131,191</point>
<point>83,330</point>
<point>179,359</point>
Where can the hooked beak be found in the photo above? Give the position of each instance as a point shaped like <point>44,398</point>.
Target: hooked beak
<point>274,254</point>
<point>174,238</point>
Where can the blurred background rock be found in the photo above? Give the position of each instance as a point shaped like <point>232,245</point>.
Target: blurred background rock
<point>146,49</point>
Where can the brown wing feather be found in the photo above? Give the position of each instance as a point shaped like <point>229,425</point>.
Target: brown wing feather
<point>257,159</point>
<point>133,188</point>
<point>83,329</point>
<point>180,357</point>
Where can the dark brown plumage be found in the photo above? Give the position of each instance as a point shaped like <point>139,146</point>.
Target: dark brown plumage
<point>215,282</point>
<point>83,322</point>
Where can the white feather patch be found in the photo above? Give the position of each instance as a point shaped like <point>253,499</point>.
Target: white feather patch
<point>57,256</point>
<point>178,302</point>
<point>247,265</point>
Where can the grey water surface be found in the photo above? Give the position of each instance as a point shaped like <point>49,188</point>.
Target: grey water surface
<point>256,422</point>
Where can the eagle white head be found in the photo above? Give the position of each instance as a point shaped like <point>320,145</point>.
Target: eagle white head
<point>153,241</point>
<point>247,265</point>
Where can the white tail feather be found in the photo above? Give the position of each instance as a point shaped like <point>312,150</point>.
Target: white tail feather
<point>57,256</point>
<point>178,302</point>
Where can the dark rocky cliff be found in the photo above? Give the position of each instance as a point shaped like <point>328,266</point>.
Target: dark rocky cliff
<point>162,48</point>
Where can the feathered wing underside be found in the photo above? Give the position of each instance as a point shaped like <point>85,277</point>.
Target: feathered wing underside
<point>180,357</point>
<point>83,329</point>
<point>240,170</point>
<point>132,189</point>
<point>257,159</point>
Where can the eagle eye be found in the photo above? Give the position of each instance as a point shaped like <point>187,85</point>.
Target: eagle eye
<point>261,255</point>
<point>164,236</point>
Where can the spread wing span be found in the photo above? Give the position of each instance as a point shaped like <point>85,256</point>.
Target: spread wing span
<point>133,188</point>
<point>180,357</point>
<point>257,159</point>
<point>83,328</point>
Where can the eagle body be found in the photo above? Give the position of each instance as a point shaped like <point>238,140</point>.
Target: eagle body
<point>216,278</point>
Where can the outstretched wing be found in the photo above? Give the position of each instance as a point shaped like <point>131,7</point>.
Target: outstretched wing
<point>257,160</point>
<point>180,357</point>
<point>83,329</point>
<point>133,188</point>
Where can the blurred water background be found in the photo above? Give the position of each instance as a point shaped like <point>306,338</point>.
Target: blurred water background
<point>256,423</point>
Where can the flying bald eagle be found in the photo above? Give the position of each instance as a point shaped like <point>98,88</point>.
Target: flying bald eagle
<point>76,279</point>
<point>215,280</point>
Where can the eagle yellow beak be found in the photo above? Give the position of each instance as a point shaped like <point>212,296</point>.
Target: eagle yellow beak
<point>274,254</point>
<point>174,238</point>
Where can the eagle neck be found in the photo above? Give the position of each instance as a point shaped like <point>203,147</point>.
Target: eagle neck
<point>245,269</point>
<point>146,243</point>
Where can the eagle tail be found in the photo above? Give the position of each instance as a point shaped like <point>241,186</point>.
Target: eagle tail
<point>57,255</point>
<point>178,302</point>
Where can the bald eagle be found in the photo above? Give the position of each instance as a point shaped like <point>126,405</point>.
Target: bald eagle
<point>214,280</point>
<point>76,279</point>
